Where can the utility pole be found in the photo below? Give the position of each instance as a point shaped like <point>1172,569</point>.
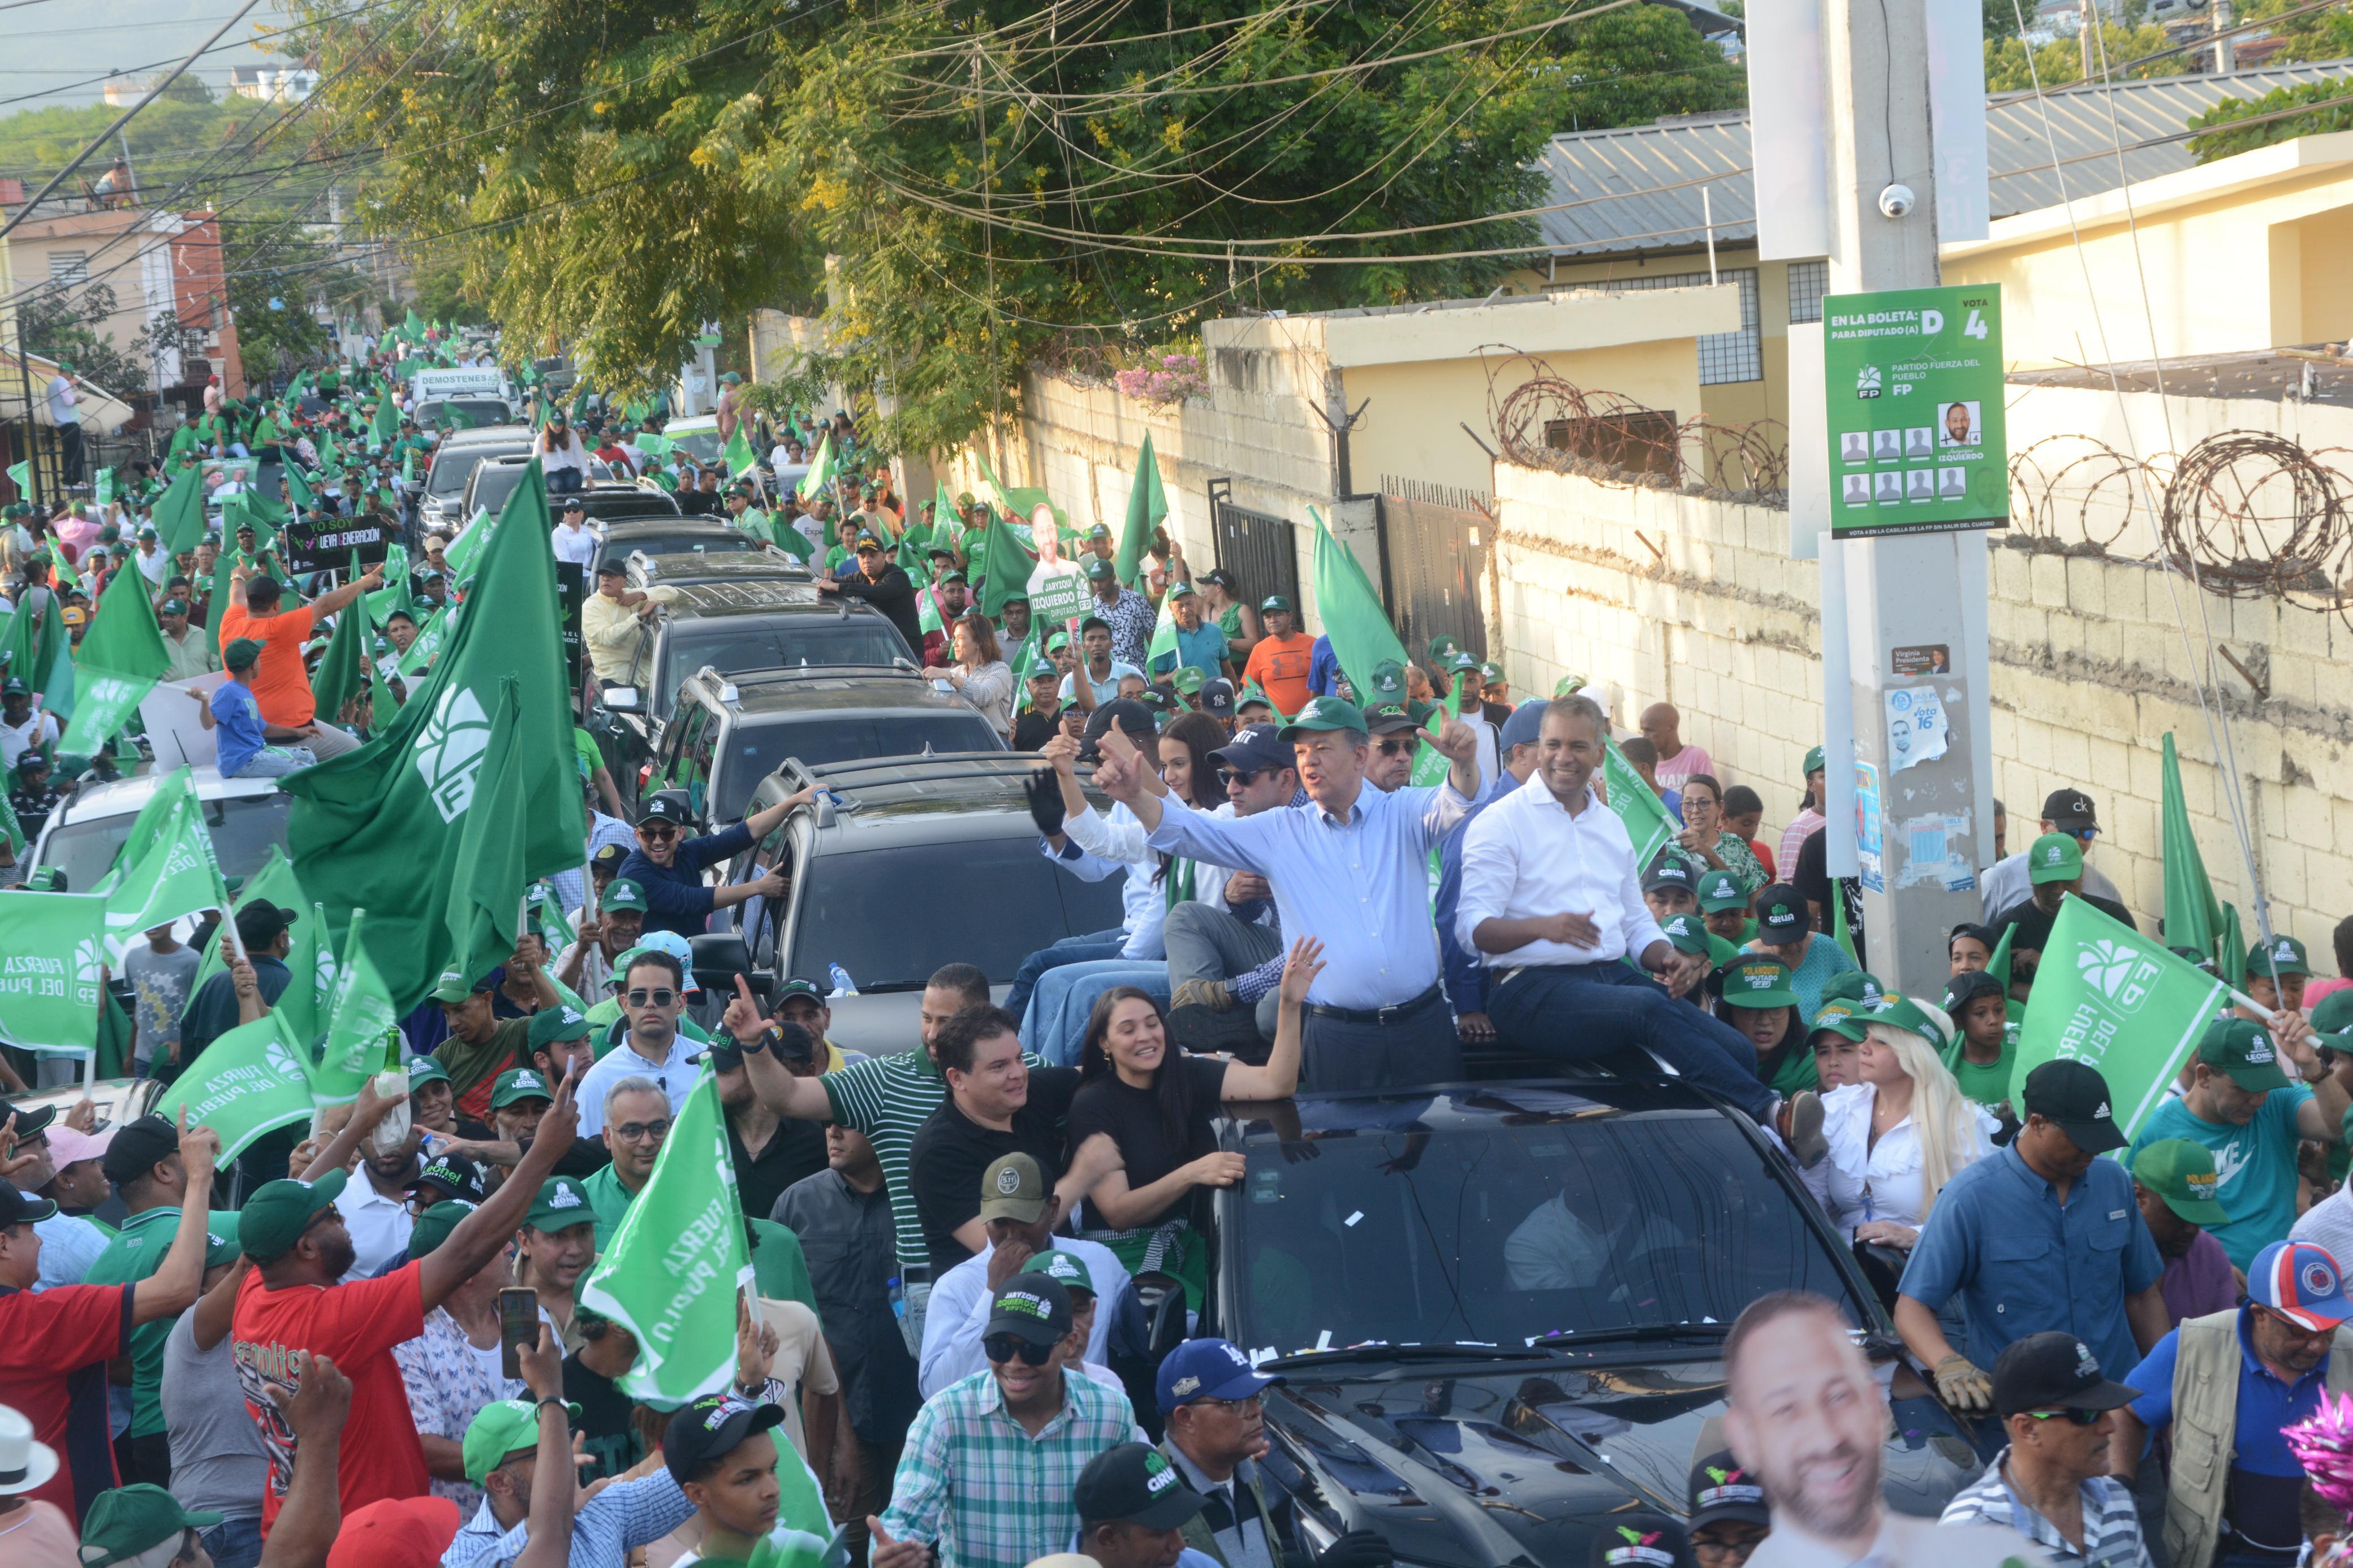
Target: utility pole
<point>1923,594</point>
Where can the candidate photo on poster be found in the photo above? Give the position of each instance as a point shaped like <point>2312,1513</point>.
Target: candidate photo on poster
<point>1958,426</point>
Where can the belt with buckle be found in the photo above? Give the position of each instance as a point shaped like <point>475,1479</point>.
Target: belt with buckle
<point>1379,1017</point>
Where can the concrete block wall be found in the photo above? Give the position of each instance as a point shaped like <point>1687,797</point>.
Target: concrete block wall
<point>1654,596</point>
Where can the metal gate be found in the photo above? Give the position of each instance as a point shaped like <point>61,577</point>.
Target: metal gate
<point>1436,543</point>
<point>1258,549</point>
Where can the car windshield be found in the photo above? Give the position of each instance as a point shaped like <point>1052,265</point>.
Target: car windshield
<point>1560,1214</point>
<point>703,540</point>
<point>858,910</point>
<point>756,751</point>
<point>704,446</point>
<point>498,480</point>
<point>731,648</point>
<point>465,413</point>
<point>453,467</point>
<point>243,829</point>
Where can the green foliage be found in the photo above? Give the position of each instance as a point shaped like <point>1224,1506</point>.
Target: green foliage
<point>2061,61</point>
<point>65,326</point>
<point>953,183</point>
<point>2336,94</point>
<point>442,293</point>
<point>182,140</point>
<point>2316,35</point>
<point>274,262</point>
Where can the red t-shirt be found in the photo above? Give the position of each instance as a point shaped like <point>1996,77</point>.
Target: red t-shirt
<point>355,1326</point>
<point>282,687</point>
<point>54,1348</point>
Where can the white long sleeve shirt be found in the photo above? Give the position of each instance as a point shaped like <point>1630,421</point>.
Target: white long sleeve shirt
<point>1143,901</point>
<point>1525,857</point>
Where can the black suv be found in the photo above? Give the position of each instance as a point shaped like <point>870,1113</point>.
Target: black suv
<point>616,502</point>
<point>729,732</point>
<point>734,628</point>
<point>691,567</point>
<point>907,864</point>
<point>1498,1307</point>
<point>669,535</point>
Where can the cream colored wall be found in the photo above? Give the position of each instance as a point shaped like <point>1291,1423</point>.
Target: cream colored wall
<point>2327,240</point>
<point>118,268</point>
<point>1725,402</point>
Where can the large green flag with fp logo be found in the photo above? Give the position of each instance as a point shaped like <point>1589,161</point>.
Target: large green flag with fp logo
<point>2108,995</point>
<point>165,868</point>
<point>678,1262</point>
<point>1646,818</point>
<point>51,948</point>
<point>383,826</point>
<point>357,1016</point>
<point>247,1082</point>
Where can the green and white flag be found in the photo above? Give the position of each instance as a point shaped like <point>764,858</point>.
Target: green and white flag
<point>1645,815</point>
<point>484,911</point>
<point>465,551</point>
<point>358,1015</point>
<point>1350,609</point>
<point>381,826</point>
<point>122,658</point>
<point>1147,508</point>
<point>393,595</point>
<point>52,946</point>
<point>2108,995</point>
<point>804,1535</point>
<point>166,869</point>
<point>426,645</point>
<point>741,459</point>
<point>678,1262</point>
<point>819,478</point>
<point>247,1082</point>
<point>273,883</point>
<point>180,512</point>
<point>312,958</point>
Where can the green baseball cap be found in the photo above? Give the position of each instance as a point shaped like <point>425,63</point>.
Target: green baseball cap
<point>2054,858</point>
<point>2333,1015</point>
<point>556,1026</point>
<point>1462,664</point>
<point>1860,986</point>
<point>562,1204</point>
<point>796,986</point>
<point>1043,668</point>
<point>518,1084</point>
<point>1325,713</point>
<point>423,1070</point>
<point>1900,1012</point>
<point>1099,570</point>
<point>2282,955</point>
<point>1273,602</point>
<point>622,893</point>
<point>1056,1264</point>
<point>173,608</point>
<point>1188,679</point>
<point>275,1216</point>
<point>1180,589</point>
<point>434,1226</point>
<point>1442,649</point>
<point>501,1427</point>
<point>1840,1019</point>
<point>456,987</point>
<point>241,653</point>
<point>2182,1172</point>
<point>1688,934</point>
<point>1758,982</point>
<point>221,1243</point>
<point>1721,890</point>
<point>1387,683</point>
<point>128,1521</point>
<point>1814,761</point>
<point>2240,1048</point>
<point>1491,673</point>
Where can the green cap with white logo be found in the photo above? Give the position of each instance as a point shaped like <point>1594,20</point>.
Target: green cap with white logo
<point>1323,714</point>
<point>2281,955</point>
<point>2239,1047</point>
<point>1721,890</point>
<point>1387,683</point>
<point>519,1084</point>
<point>2054,858</point>
<point>556,1026</point>
<point>562,1204</point>
<point>2182,1172</point>
<point>1056,1264</point>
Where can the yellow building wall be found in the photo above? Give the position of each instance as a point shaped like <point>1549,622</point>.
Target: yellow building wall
<point>2326,240</point>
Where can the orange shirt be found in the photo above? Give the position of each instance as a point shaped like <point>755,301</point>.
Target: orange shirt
<point>282,687</point>
<point>1278,664</point>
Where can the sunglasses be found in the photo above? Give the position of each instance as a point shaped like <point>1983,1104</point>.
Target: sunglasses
<point>1393,748</point>
<point>1005,1347</point>
<point>2079,1418</point>
<point>1242,776</point>
<point>659,996</point>
<point>637,1131</point>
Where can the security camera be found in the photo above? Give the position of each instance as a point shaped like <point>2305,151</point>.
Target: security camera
<point>1898,201</point>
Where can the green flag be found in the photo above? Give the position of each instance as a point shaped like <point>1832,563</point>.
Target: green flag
<point>741,459</point>
<point>180,512</point>
<point>52,946</point>
<point>425,646</point>
<point>35,652</point>
<point>788,539</point>
<point>248,1081</point>
<point>2108,995</point>
<point>311,996</point>
<point>485,898</point>
<point>122,656</point>
<point>2231,960</point>
<point>345,664</point>
<point>273,883</point>
<point>1351,611</point>
<point>678,1261</point>
<point>224,563</point>
<point>1644,814</point>
<point>101,487</point>
<point>393,595</point>
<point>1011,562</point>
<point>2193,917</point>
<point>387,424</point>
<point>165,868</point>
<point>298,491</point>
<point>21,476</point>
<point>357,1015</point>
<point>819,478</point>
<point>654,446</point>
<point>465,551</point>
<point>381,826</point>
<point>1147,504</point>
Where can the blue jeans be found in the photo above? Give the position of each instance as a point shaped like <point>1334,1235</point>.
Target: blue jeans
<point>275,762</point>
<point>1070,950</point>
<point>1578,1012</point>
<point>1056,1024</point>
<point>233,1543</point>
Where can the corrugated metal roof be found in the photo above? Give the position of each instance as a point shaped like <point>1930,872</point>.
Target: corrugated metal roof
<point>1638,187</point>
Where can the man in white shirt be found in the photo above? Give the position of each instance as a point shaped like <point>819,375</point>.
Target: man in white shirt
<point>653,995</point>
<point>152,563</point>
<point>22,727</point>
<point>2067,810</point>
<point>1552,902</point>
<point>574,541</point>
<point>376,1208</point>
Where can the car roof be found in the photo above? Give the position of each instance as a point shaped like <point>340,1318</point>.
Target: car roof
<point>693,422</point>
<point>127,796</point>
<point>619,530</point>
<point>1506,1101</point>
<point>485,436</point>
<point>781,696</point>
<point>687,567</point>
<point>762,596</point>
<point>880,791</point>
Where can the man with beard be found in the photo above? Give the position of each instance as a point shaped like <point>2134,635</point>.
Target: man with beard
<point>294,1301</point>
<point>1805,1414</point>
<point>376,1207</point>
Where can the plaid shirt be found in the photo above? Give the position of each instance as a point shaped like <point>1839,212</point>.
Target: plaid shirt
<point>1130,617</point>
<point>988,1494</point>
<point>2111,1525</point>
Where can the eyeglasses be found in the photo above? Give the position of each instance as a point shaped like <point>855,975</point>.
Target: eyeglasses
<point>1242,776</point>
<point>1393,748</point>
<point>1005,1347</point>
<point>658,830</point>
<point>2290,1325</point>
<point>659,996</point>
<point>1252,1405</point>
<point>639,1131</point>
<point>2080,1417</point>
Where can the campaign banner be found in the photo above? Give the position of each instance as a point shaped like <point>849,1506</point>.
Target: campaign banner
<point>324,544</point>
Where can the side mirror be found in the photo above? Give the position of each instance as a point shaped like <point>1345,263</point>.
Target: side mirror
<point>619,699</point>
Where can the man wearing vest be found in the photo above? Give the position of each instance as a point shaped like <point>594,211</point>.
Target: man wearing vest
<point>2226,1385</point>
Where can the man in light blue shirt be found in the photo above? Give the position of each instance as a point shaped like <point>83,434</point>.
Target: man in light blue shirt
<point>1351,869</point>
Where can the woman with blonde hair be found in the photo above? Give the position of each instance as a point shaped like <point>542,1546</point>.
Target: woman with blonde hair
<point>1898,1135</point>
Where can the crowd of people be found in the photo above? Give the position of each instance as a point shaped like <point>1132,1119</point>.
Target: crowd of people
<point>367,1343</point>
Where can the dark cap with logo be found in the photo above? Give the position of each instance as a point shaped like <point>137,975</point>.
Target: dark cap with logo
<point>1672,871</point>
<point>136,1148</point>
<point>1642,1541</point>
<point>2053,1371</point>
<point>1254,748</point>
<point>668,805</point>
<point>2073,1095</point>
<point>712,1428</point>
<point>1033,1306</point>
<point>453,1176</point>
<point>2069,811</point>
<point>1781,914</point>
<point>1132,1482</point>
<point>1722,1488</point>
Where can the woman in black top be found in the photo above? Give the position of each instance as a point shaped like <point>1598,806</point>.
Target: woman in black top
<point>1155,1101</point>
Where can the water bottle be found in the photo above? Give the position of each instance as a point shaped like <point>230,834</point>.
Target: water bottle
<point>392,1131</point>
<point>898,1297</point>
<point>842,985</point>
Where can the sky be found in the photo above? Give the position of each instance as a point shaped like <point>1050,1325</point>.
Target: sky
<point>56,46</point>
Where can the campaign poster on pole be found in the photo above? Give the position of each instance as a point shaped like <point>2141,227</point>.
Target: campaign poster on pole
<point>1913,381</point>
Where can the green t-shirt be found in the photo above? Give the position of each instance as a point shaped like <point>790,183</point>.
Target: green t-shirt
<point>1796,1069</point>
<point>1987,1084</point>
<point>2256,1164</point>
<point>134,1254</point>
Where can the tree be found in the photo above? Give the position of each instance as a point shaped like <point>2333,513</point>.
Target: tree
<point>952,184</point>
<point>2315,35</point>
<point>279,278</point>
<point>2332,102</point>
<point>2061,61</point>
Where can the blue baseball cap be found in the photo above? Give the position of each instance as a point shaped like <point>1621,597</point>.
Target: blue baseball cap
<point>1207,1369</point>
<point>2298,1281</point>
<point>1523,727</point>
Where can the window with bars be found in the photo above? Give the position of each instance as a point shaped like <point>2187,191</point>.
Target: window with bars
<point>1723,356</point>
<point>1809,281</point>
<point>69,266</point>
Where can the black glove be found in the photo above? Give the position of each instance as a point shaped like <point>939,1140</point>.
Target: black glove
<point>1357,1549</point>
<point>1045,792</point>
